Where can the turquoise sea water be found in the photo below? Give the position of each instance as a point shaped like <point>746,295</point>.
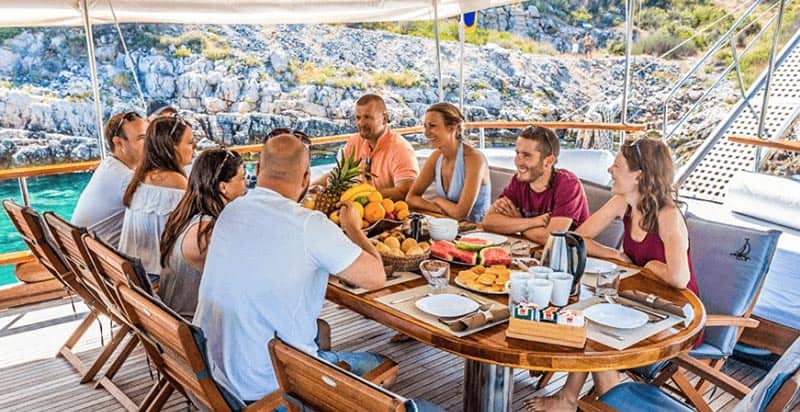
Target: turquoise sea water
<point>57,193</point>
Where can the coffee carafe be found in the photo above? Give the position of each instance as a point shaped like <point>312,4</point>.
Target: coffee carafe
<point>566,252</point>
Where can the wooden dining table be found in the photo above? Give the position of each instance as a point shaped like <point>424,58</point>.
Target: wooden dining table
<point>490,357</point>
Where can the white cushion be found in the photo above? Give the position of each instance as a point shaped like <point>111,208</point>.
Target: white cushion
<point>771,198</point>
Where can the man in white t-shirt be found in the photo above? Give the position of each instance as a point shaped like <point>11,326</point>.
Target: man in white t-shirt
<point>100,207</point>
<point>267,270</point>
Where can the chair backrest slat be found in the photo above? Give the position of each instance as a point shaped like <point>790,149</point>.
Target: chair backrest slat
<point>67,238</point>
<point>173,344</point>
<point>113,268</point>
<point>322,386</point>
<point>31,229</point>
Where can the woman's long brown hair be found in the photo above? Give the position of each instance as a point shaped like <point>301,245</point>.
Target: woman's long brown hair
<point>159,152</point>
<point>656,188</point>
<point>202,198</point>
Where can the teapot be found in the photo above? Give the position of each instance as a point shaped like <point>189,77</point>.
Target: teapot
<point>566,252</point>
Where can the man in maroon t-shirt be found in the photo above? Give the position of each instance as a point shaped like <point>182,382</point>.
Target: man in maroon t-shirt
<point>540,198</point>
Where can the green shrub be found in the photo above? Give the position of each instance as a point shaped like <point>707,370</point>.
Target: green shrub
<point>183,52</point>
<point>581,14</point>
<point>9,33</point>
<point>251,61</point>
<point>216,53</point>
<point>121,81</point>
<point>403,79</point>
<point>658,43</point>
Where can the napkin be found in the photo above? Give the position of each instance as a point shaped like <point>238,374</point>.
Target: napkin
<point>474,320</point>
<point>659,303</point>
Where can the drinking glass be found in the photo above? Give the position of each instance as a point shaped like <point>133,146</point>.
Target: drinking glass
<point>517,288</point>
<point>607,283</point>
<point>437,273</point>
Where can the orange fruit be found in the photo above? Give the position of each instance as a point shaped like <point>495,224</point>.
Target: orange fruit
<point>374,212</point>
<point>388,205</point>
<point>375,197</point>
<point>364,224</point>
<point>400,205</point>
<point>402,214</point>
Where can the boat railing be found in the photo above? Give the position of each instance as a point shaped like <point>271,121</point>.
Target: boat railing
<point>728,38</point>
<point>23,173</point>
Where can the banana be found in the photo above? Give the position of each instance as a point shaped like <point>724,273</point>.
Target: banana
<point>357,189</point>
<point>364,193</point>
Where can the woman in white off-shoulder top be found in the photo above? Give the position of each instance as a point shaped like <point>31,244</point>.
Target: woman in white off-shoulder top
<point>155,189</point>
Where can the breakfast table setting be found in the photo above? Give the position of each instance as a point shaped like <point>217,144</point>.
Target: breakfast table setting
<point>503,302</point>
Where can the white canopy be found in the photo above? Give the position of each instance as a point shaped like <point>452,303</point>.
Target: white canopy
<point>67,12</point>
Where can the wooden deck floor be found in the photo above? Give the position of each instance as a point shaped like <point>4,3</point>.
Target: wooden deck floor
<point>32,379</point>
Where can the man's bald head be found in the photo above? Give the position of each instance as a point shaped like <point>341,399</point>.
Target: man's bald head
<point>284,158</point>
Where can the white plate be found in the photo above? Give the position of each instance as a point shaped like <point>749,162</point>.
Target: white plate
<point>446,305</point>
<point>616,316</point>
<point>599,266</point>
<point>492,238</point>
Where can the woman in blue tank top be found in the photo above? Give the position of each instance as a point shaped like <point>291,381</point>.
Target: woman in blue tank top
<point>460,172</point>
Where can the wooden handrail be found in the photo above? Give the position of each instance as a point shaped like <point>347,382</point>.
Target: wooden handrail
<point>778,144</point>
<point>12,258</point>
<point>34,171</point>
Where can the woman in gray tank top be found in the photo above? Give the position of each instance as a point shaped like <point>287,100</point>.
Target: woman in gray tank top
<point>217,178</point>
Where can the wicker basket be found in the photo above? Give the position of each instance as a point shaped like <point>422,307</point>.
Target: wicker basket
<point>405,264</point>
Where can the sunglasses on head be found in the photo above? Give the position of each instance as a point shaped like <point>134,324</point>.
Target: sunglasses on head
<point>228,154</point>
<point>637,145</point>
<point>178,120</point>
<point>296,133</point>
<point>127,116</point>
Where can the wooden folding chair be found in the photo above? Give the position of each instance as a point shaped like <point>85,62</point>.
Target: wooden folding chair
<point>177,349</point>
<point>311,383</point>
<point>731,264</point>
<point>68,238</point>
<point>108,268</point>
<point>32,230</point>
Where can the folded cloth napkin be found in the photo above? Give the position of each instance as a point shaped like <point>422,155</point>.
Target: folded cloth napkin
<point>474,320</point>
<point>659,303</point>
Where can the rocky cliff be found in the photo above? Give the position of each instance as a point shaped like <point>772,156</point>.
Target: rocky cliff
<point>236,82</point>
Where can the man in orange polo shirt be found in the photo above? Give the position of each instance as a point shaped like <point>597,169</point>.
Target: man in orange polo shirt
<point>383,153</point>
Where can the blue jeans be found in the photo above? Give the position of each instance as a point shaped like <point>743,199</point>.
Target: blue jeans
<point>412,405</point>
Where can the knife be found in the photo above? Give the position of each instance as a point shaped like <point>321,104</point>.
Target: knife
<point>641,308</point>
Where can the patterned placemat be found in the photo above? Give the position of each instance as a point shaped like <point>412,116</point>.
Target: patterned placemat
<point>629,337</point>
<point>397,277</point>
<point>405,301</point>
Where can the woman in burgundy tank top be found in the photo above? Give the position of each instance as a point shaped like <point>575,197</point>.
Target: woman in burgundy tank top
<point>655,238</point>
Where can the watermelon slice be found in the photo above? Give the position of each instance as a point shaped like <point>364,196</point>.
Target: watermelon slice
<point>443,249</point>
<point>465,256</point>
<point>495,256</point>
<point>471,243</point>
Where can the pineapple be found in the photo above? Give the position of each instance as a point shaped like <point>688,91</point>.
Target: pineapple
<point>344,174</point>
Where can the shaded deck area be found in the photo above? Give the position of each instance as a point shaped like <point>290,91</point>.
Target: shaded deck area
<point>32,379</point>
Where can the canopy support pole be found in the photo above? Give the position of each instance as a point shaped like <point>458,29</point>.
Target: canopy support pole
<point>98,109</point>
<point>438,53</point>
<point>768,86</point>
<point>461,65</point>
<point>627,81</point>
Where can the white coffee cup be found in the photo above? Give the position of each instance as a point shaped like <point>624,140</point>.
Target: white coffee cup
<point>517,287</point>
<point>540,272</point>
<point>539,291</point>
<point>562,285</point>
